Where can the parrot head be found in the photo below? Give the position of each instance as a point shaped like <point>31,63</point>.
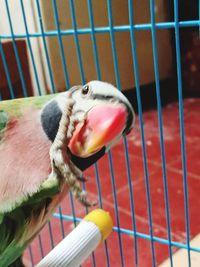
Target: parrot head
<point>104,113</point>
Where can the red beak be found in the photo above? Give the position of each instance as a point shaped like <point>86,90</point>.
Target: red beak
<point>104,123</point>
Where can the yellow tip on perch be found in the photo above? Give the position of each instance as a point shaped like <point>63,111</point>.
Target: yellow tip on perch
<point>79,244</point>
<point>102,220</point>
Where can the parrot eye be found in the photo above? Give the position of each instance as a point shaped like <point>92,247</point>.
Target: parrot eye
<point>85,90</point>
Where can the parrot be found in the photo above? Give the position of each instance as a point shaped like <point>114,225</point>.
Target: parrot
<point>46,142</point>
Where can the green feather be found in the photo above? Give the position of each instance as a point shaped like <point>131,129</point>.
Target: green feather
<point>15,107</point>
<point>13,224</point>
<point>3,119</point>
<point>48,189</point>
<point>3,122</point>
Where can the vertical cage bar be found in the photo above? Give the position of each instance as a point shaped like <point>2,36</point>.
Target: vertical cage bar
<point>78,50</point>
<point>131,201</point>
<point>45,47</point>
<point>117,76</point>
<point>112,38</point>
<point>19,66</point>
<point>101,206</point>
<point>61,222</point>
<point>199,16</point>
<point>10,86</point>
<point>98,185</point>
<point>116,207</point>
<point>30,48</point>
<point>137,85</point>
<point>73,209</point>
<point>51,234</point>
<point>181,116</point>
<point>86,210</point>
<point>157,78</point>
<point>98,71</point>
<point>41,246</point>
<point>94,44</point>
<point>31,255</point>
<point>62,54</point>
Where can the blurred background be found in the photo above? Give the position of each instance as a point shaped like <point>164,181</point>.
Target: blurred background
<point>50,76</point>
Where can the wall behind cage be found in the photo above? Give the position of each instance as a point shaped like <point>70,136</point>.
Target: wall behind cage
<point>17,25</point>
<point>64,12</point>
<point>123,45</point>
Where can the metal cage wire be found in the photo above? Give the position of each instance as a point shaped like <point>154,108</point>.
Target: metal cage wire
<point>132,28</point>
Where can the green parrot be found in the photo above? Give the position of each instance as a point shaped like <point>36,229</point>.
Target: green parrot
<point>45,144</point>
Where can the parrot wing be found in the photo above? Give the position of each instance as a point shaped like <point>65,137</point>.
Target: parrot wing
<point>22,213</point>
<point>19,226</point>
<point>24,150</point>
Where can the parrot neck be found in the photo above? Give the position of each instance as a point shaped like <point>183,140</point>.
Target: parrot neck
<point>50,119</point>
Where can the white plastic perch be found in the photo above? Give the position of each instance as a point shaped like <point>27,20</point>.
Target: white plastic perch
<point>79,244</point>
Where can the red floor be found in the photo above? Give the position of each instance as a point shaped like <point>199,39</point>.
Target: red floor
<point>175,187</point>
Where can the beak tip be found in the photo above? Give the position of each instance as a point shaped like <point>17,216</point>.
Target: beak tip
<point>104,123</point>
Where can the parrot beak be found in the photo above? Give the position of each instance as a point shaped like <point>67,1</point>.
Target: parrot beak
<point>103,124</point>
